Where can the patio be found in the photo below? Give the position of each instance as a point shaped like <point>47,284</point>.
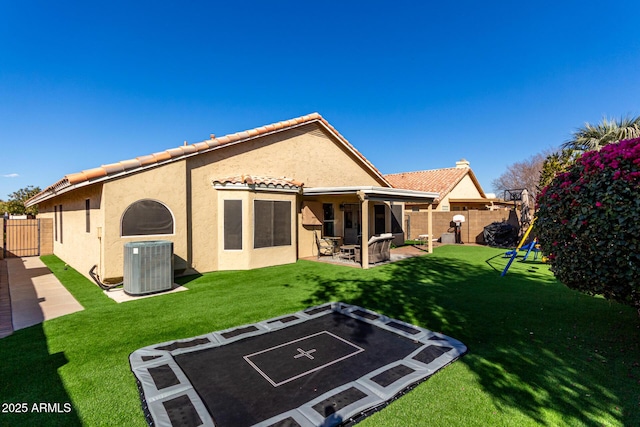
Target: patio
<point>397,254</point>
<point>348,215</point>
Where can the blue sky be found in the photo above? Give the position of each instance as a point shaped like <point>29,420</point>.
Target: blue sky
<point>413,85</point>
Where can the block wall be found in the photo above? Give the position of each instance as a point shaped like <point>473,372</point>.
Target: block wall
<point>472,229</point>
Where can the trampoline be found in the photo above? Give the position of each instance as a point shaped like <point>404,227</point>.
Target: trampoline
<point>328,365</point>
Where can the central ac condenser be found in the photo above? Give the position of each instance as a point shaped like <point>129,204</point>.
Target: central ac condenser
<point>148,267</point>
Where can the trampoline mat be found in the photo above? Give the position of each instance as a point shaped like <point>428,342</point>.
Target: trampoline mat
<point>327,365</point>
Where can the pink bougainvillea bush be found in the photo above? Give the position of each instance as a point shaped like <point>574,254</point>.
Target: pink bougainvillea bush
<point>588,223</point>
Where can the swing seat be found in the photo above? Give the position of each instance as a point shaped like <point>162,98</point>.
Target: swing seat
<point>531,246</point>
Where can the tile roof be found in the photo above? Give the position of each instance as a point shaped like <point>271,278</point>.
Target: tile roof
<point>260,181</point>
<point>132,165</point>
<point>440,181</point>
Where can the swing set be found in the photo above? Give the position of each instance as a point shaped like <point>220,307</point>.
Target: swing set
<point>529,247</point>
<point>523,196</point>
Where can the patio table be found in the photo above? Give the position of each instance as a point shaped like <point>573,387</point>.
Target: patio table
<point>348,252</point>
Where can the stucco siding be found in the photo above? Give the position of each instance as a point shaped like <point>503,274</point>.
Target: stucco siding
<point>465,189</point>
<point>309,154</point>
<point>203,211</point>
<point>71,240</point>
<point>443,206</point>
<point>306,154</point>
<point>248,256</point>
<point>165,184</point>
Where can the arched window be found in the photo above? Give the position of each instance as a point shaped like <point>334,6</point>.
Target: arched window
<point>147,218</point>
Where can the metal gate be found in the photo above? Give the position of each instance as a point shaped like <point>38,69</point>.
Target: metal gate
<point>21,237</point>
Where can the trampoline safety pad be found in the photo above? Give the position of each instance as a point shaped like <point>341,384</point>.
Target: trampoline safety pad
<point>328,365</point>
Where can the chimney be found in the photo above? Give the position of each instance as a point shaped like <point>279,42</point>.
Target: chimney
<point>462,163</point>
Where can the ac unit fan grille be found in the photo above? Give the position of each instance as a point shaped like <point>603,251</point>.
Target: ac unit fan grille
<point>148,267</point>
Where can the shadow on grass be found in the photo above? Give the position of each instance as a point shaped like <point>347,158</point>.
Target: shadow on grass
<point>532,342</point>
<point>499,261</point>
<point>30,379</point>
<point>183,280</point>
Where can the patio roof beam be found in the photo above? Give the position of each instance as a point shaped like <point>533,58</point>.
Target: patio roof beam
<point>384,194</point>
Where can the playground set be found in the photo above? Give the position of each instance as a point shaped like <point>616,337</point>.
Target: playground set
<point>526,223</point>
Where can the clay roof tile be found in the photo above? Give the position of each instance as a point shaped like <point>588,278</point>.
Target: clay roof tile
<point>262,181</point>
<point>188,149</point>
<point>176,153</point>
<point>130,164</point>
<point>146,160</point>
<point>161,156</point>
<point>437,180</point>
<point>234,137</point>
<point>75,178</point>
<point>94,173</point>
<point>199,146</point>
<point>113,168</point>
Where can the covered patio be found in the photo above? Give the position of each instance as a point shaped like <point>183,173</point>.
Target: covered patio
<point>350,216</point>
<point>397,254</point>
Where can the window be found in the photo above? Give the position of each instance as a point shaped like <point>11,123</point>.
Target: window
<point>379,224</point>
<point>145,218</point>
<point>87,215</point>
<point>55,222</point>
<point>396,219</point>
<point>272,223</point>
<point>60,216</point>
<point>328,222</point>
<point>232,224</point>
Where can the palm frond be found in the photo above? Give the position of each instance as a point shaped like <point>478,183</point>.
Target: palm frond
<point>593,137</point>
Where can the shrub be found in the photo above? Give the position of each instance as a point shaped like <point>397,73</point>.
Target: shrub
<point>589,223</point>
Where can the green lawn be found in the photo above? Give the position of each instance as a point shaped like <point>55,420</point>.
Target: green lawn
<point>539,353</point>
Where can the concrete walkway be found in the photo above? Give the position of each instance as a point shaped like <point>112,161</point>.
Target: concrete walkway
<point>36,294</point>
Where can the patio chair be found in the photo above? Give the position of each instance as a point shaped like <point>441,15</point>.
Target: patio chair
<point>379,248</point>
<point>325,246</point>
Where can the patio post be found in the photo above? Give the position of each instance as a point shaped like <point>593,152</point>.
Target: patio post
<point>364,249</point>
<point>430,228</point>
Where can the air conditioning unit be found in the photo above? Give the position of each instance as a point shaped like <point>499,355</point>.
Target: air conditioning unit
<point>148,267</point>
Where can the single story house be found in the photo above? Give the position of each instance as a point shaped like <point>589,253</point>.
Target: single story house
<point>246,200</point>
<point>458,188</point>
